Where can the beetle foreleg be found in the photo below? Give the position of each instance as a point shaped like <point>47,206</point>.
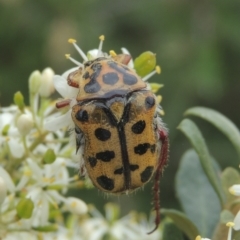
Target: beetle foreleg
<point>163,137</point>
<point>63,103</point>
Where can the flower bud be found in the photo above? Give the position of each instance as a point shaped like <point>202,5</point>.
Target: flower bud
<point>19,100</point>
<point>3,190</point>
<point>76,206</point>
<point>34,81</point>
<point>49,156</point>
<point>5,129</point>
<point>24,124</point>
<point>25,208</point>
<point>145,63</point>
<point>46,86</point>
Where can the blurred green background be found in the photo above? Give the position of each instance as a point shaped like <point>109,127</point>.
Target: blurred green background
<point>197,45</point>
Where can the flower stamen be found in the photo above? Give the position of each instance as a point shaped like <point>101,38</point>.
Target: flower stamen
<point>112,53</point>
<point>157,70</point>
<point>102,37</point>
<point>83,55</point>
<point>68,56</point>
<point>230,225</point>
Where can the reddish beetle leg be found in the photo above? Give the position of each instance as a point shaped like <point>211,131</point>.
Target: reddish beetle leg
<point>163,135</point>
<point>63,103</point>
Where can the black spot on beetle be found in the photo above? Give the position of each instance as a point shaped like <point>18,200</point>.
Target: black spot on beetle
<point>119,171</point>
<point>153,148</point>
<point>149,102</point>
<point>96,67</point>
<point>138,127</point>
<point>141,148</point>
<point>129,79</point>
<point>115,66</point>
<point>105,182</point>
<point>110,78</point>
<point>92,161</point>
<point>86,75</point>
<point>78,137</point>
<point>102,134</point>
<point>133,167</point>
<point>106,156</point>
<point>82,115</point>
<point>146,174</point>
<point>92,87</point>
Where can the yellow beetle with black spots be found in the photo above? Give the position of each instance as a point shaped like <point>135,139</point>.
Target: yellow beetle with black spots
<point>117,122</point>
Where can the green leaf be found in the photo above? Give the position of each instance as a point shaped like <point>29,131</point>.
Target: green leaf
<point>191,131</point>
<point>226,126</point>
<point>194,192</point>
<point>145,63</point>
<point>182,222</point>
<point>171,232</point>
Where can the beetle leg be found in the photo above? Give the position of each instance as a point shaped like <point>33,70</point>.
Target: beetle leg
<point>163,137</point>
<point>63,103</point>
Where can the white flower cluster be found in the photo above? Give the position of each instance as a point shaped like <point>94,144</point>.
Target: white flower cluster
<point>35,158</point>
<point>34,174</point>
<point>235,224</point>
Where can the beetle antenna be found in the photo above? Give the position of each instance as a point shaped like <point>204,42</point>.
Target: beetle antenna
<point>157,70</point>
<point>162,163</point>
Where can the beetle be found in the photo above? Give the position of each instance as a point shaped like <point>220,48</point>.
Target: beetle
<point>118,127</point>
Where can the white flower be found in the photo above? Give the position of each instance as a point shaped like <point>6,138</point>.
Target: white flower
<point>19,235</point>
<point>200,238</point>
<point>75,205</point>
<point>67,92</point>
<point>230,225</point>
<point>124,228</point>
<point>59,120</point>
<point>10,135</point>
<point>235,189</point>
<point>7,179</point>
